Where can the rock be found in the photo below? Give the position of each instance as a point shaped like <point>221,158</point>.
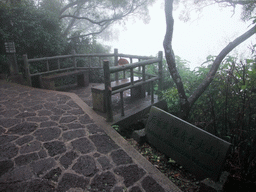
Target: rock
<point>67,119</point>
<point>103,143</point>
<point>139,136</point>
<point>103,182</point>
<point>83,145</point>
<point>47,134</point>
<point>53,174</point>
<point>55,148</point>
<point>30,147</point>
<point>8,151</point>
<point>131,174</point>
<point>68,158</point>
<point>85,165</point>
<point>42,165</point>
<point>72,181</point>
<point>105,164</point>
<point>120,157</point>
<point>23,128</point>
<point>150,185</point>
<point>73,134</point>
<point>5,166</point>
<point>26,159</point>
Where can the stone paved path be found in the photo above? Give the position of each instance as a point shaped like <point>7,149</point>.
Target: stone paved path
<point>49,143</point>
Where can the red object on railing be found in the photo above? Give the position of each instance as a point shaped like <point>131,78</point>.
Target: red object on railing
<point>123,61</point>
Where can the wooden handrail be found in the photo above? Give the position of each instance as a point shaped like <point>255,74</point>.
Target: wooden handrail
<point>134,85</point>
<point>135,56</point>
<point>70,56</point>
<point>133,65</point>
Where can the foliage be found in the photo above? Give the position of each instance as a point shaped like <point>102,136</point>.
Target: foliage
<point>86,45</point>
<point>34,31</point>
<point>170,92</point>
<point>226,109</point>
<point>37,32</point>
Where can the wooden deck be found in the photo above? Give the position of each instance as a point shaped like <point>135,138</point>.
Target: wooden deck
<point>134,109</point>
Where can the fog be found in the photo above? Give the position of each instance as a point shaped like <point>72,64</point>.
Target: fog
<point>204,34</point>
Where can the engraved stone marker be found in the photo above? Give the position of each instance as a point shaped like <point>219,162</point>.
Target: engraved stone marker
<point>200,152</point>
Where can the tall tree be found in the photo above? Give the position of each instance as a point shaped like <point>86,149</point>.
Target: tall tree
<point>186,102</point>
<point>92,17</point>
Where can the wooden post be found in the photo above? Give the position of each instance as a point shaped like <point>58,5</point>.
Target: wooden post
<point>160,74</point>
<point>139,66</point>
<point>108,90</point>
<point>11,58</point>
<point>27,71</point>
<point>124,76</point>
<point>143,73</point>
<point>132,79</point>
<point>116,62</point>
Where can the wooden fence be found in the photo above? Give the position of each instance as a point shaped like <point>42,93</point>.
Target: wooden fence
<point>59,61</point>
<point>107,80</point>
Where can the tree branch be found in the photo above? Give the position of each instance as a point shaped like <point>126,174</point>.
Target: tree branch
<point>102,22</point>
<point>232,2</point>
<point>68,6</point>
<point>202,87</point>
<point>88,34</point>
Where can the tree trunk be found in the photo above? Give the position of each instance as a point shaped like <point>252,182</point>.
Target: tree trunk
<point>187,103</point>
<point>170,58</point>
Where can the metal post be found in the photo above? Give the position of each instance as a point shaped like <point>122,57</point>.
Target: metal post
<point>108,90</point>
<point>27,71</point>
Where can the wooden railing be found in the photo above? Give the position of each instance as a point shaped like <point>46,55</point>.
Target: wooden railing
<point>59,67</point>
<point>143,61</point>
<point>108,90</point>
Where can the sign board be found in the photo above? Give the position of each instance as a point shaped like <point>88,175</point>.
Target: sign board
<point>10,47</point>
<point>198,151</point>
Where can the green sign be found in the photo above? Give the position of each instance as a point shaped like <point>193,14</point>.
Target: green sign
<point>200,152</point>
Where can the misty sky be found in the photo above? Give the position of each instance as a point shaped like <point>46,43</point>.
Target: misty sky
<point>193,40</point>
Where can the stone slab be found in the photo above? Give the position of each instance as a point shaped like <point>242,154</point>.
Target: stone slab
<point>200,152</point>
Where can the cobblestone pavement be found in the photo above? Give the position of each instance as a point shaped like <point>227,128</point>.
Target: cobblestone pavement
<point>49,143</point>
